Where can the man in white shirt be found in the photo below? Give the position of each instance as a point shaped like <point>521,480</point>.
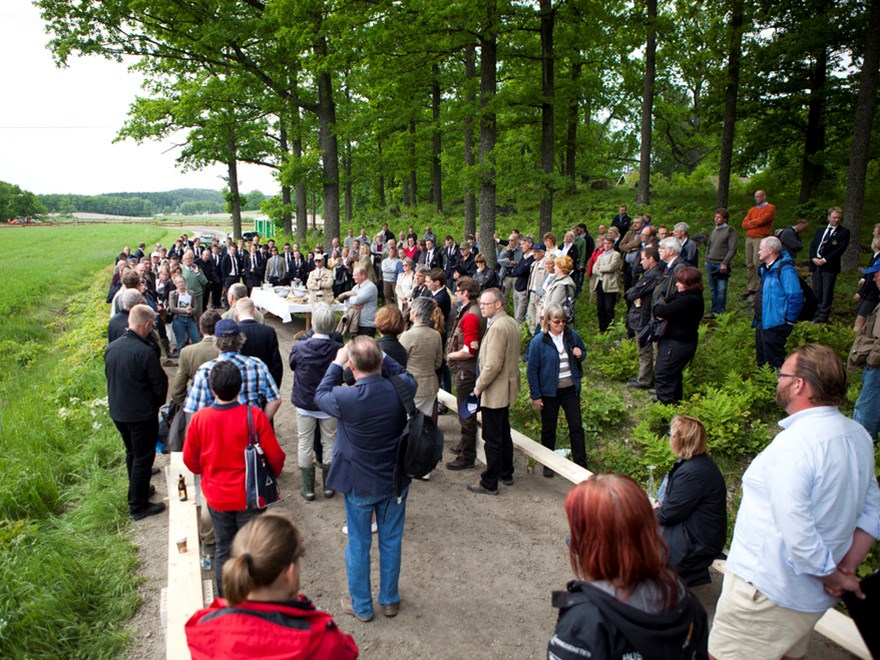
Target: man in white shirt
<point>809,514</point>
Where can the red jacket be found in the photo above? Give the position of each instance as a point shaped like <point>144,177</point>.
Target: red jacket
<point>270,631</point>
<point>214,448</point>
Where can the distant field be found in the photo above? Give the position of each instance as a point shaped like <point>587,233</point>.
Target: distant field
<point>45,264</point>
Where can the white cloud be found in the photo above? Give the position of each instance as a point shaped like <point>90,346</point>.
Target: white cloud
<point>57,125</point>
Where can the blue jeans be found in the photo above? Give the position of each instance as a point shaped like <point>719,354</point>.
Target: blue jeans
<point>183,327</point>
<point>718,287</point>
<point>867,411</point>
<point>390,515</point>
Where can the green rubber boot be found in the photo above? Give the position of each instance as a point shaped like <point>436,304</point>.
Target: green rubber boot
<point>325,470</point>
<point>308,487</point>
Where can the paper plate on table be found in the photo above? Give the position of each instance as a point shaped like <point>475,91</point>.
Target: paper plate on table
<point>282,291</point>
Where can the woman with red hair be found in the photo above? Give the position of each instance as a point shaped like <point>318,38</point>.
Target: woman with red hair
<point>627,600</point>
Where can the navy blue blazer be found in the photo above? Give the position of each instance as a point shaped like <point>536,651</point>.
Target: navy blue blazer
<point>371,419</point>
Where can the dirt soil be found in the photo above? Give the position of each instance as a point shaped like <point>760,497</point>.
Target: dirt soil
<point>477,571</point>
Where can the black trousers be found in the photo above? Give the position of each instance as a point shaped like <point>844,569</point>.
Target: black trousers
<point>672,357</point>
<point>770,345</point>
<point>228,282</point>
<point>498,445</point>
<point>823,289</point>
<point>570,401</point>
<point>605,303</point>
<point>216,290</point>
<point>140,451</point>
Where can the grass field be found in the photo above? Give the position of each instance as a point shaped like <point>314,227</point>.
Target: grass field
<point>67,571</point>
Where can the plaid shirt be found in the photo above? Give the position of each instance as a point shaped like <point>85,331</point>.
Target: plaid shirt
<point>257,386</point>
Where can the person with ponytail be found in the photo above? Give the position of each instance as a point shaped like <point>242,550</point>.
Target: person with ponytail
<point>626,600</point>
<point>263,614</point>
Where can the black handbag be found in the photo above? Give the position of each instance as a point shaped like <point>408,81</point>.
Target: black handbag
<point>260,482</point>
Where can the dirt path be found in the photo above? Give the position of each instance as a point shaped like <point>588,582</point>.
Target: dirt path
<point>477,571</point>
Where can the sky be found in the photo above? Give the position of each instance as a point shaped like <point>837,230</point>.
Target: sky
<point>57,125</point>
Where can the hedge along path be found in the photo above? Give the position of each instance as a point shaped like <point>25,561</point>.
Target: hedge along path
<point>835,625</point>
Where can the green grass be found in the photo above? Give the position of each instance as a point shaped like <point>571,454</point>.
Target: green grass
<point>68,578</point>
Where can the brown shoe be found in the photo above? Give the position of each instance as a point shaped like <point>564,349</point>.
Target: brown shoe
<point>459,464</point>
<point>457,449</point>
<point>390,610</point>
<point>346,605</point>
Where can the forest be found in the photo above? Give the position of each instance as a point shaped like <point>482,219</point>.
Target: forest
<point>477,105</point>
<point>185,201</point>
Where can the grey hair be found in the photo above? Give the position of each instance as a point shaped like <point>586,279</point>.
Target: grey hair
<point>323,320</point>
<point>422,268</point>
<point>423,309</point>
<point>682,227</point>
<point>238,291</point>
<point>130,298</point>
<point>772,243</point>
<point>671,243</point>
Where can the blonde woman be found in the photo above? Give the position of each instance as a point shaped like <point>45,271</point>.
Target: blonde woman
<point>692,503</point>
<point>406,282</point>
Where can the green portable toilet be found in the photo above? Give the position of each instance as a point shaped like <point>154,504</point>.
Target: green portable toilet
<point>264,227</point>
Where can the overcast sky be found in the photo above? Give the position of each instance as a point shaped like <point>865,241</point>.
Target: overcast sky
<point>57,125</point>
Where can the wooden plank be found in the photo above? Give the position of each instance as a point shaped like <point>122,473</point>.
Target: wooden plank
<point>560,465</point>
<point>834,625</point>
<point>184,570</point>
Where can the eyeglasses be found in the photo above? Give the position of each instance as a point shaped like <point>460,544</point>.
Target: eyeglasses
<point>559,321</point>
<point>779,375</point>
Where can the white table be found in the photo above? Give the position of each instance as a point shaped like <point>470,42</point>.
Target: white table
<point>270,301</point>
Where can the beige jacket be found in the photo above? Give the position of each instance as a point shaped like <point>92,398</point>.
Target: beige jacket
<point>322,283</point>
<point>608,267</point>
<point>498,382</point>
<point>866,347</point>
<point>424,349</point>
<point>191,358</point>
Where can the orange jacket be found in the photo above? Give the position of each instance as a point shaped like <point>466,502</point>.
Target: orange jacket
<point>758,222</point>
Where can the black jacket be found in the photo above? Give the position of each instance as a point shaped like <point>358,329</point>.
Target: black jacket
<point>521,272</point>
<point>136,383</point>
<point>262,342</point>
<point>683,311</point>
<point>834,248</point>
<point>117,326</point>
<point>693,517</point>
<point>643,289</point>
<point>594,624</point>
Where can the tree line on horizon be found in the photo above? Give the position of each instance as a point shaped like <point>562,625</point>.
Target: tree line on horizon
<point>372,104</point>
<point>183,201</point>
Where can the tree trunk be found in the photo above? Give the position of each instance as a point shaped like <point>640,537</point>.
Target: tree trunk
<point>314,212</point>
<point>437,188</point>
<point>234,195</point>
<point>648,104</point>
<point>571,128</point>
<point>470,199</point>
<point>731,92</point>
<point>329,148</point>
<point>413,196</point>
<point>488,85</point>
<point>286,216</point>
<point>548,133</point>
<point>381,173</point>
<point>854,199</point>
<point>346,167</point>
<point>812,168</point>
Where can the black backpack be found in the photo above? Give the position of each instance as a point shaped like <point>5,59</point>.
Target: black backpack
<point>811,303</point>
<point>421,444</point>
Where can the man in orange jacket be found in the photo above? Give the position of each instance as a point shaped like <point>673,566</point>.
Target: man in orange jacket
<point>758,224</point>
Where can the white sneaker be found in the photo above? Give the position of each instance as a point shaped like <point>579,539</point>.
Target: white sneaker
<point>373,528</point>
<point>427,477</point>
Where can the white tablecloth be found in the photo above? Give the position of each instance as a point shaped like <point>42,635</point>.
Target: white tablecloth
<point>270,301</point>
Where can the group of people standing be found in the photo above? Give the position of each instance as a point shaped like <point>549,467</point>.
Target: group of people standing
<point>344,398</point>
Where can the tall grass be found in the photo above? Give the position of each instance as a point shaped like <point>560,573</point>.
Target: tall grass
<point>67,571</point>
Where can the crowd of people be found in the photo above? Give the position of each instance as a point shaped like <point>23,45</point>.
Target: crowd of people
<point>441,316</point>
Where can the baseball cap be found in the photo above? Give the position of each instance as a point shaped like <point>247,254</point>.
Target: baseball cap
<point>539,246</point>
<point>226,328</point>
<point>319,257</point>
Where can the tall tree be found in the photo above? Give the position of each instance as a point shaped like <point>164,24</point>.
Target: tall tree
<point>643,195</point>
<point>488,88</point>
<point>731,94</point>
<point>547,15</point>
<point>866,104</point>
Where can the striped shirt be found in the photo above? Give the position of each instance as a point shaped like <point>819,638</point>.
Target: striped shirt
<point>565,379</point>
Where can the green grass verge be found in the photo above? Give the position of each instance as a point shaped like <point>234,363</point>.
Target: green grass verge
<point>68,576</point>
